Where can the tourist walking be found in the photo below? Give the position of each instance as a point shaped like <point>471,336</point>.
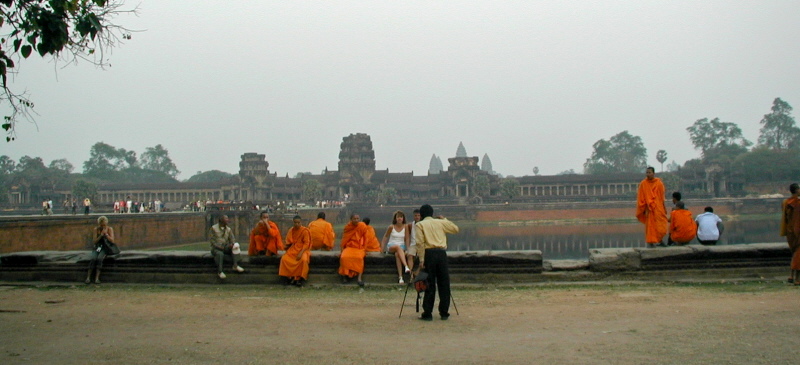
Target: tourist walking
<point>431,234</point>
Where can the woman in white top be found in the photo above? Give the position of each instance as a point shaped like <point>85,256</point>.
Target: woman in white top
<point>395,241</point>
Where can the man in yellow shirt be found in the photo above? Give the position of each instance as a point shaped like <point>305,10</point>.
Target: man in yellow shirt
<point>431,236</point>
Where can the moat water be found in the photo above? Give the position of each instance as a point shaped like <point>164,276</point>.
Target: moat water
<point>561,242</point>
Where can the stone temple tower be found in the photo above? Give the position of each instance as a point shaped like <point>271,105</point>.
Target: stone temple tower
<point>254,168</point>
<point>356,159</point>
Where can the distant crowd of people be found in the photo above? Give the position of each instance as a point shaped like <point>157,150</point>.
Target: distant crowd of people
<point>131,206</point>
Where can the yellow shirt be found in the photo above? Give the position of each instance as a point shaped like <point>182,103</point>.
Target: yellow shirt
<point>431,233</point>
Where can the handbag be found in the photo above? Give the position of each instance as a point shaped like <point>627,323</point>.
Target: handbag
<point>110,248</point>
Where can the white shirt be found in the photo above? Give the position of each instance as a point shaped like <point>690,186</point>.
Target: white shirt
<point>707,226</point>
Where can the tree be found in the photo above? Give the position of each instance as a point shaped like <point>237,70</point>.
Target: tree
<point>382,196</point>
<point>102,158</point>
<point>62,165</point>
<point>712,134</point>
<point>567,172</point>
<point>778,129</point>
<point>661,157</point>
<point>7,165</point>
<point>481,186</point>
<point>84,189</point>
<point>766,164</point>
<point>509,187</point>
<point>66,30</point>
<point>312,190</point>
<point>536,170</point>
<point>157,159</point>
<point>301,174</point>
<point>621,153</point>
<point>210,176</point>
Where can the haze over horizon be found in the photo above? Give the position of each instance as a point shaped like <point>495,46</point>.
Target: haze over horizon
<point>530,83</point>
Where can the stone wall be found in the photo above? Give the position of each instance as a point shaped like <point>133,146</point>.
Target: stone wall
<point>133,231</point>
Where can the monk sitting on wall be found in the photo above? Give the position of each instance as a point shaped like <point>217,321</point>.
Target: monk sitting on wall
<point>682,228</point>
<point>294,263</point>
<point>650,208</point>
<point>322,235</point>
<point>265,238</point>
<point>373,245</point>
<point>353,245</point>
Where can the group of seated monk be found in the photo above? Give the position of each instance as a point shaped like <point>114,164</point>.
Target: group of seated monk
<point>706,227</point>
<point>358,238</point>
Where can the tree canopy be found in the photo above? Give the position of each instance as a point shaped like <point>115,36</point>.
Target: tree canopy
<point>779,131</point>
<point>713,134</point>
<point>621,153</point>
<point>157,159</point>
<point>66,30</point>
<point>210,176</point>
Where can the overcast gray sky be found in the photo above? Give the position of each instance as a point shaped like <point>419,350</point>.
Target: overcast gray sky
<point>530,83</point>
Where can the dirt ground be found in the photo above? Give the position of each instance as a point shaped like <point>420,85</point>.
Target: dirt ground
<point>721,323</point>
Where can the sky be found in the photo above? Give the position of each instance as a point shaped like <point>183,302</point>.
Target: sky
<point>529,83</point>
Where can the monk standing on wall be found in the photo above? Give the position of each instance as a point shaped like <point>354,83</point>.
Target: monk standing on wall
<point>650,208</point>
<point>265,238</point>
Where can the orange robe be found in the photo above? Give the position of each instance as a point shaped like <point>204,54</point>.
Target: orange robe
<point>322,235</point>
<point>790,227</point>
<point>354,244</point>
<point>682,228</point>
<point>650,209</point>
<point>265,238</point>
<point>373,245</point>
<point>298,240</point>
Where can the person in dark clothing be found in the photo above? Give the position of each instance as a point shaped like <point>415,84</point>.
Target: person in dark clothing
<point>431,236</point>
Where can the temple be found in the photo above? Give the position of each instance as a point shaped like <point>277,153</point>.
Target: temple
<point>464,181</point>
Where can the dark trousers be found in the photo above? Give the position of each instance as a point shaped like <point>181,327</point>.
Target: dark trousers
<point>708,242</point>
<point>438,276</point>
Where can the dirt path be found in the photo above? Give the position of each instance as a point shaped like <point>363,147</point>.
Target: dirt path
<point>755,323</point>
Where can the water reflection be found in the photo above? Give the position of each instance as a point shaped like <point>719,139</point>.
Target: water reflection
<point>559,242</point>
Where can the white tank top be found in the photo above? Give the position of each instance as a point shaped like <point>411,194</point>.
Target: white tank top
<point>397,238</point>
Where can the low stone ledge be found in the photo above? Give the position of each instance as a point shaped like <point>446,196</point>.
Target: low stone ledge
<point>689,257</point>
<point>180,266</point>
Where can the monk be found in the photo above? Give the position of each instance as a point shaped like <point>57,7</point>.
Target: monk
<point>294,263</point>
<point>790,227</point>
<point>650,208</point>
<point>322,235</point>
<point>265,238</point>
<point>353,245</point>
<point>373,245</point>
<point>682,228</point>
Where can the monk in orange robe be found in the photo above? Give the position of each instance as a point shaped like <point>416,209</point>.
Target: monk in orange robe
<point>790,227</point>
<point>650,208</point>
<point>373,245</point>
<point>265,238</point>
<point>682,228</point>
<point>353,245</point>
<point>294,263</point>
<point>322,235</point>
